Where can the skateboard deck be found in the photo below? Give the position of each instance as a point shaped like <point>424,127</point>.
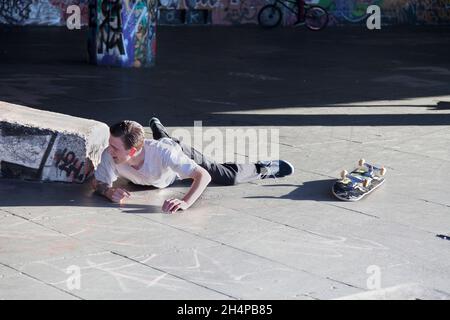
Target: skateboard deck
<point>358,183</point>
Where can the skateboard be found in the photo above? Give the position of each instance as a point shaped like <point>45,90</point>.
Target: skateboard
<point>358,183</point>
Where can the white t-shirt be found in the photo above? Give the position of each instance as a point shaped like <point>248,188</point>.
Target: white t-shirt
<point>164,162</point>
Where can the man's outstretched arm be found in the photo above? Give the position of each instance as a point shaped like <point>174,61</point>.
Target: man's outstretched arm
<point>113,194</point>
<point>201,179</point>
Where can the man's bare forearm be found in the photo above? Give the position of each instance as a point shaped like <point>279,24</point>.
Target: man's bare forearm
<point>201,180</point>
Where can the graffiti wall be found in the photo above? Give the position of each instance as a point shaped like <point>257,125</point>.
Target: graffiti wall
<point>417,11</point>
<point>220,12</point>
<point>393,11</point>
<point>233,12</point>
<point>39,12</point>
<point>37,154</point>
<point>217,12</point>
<point>122,32</point>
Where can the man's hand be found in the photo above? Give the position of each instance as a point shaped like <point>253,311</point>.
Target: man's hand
<point>173,205</point>
<point>117,194</point>
<point>113,194</point>
<point>201,179</point>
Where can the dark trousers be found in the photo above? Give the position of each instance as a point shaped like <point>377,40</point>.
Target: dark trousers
<point>221,173</point>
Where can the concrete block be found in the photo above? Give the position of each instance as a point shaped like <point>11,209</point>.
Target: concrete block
<point>48,146</point>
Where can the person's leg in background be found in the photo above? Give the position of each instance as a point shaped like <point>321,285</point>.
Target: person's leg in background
<point>300,13</point>
<point>158,130</point>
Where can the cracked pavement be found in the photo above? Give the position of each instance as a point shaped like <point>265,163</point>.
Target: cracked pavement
<point>335,96</point>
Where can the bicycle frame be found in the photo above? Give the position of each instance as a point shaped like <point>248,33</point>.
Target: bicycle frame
<point>285,3</point>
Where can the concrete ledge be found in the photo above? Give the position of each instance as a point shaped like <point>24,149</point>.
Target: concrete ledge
<point>48,146</point>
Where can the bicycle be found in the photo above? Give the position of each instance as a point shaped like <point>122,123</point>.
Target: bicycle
<point>314,17</point>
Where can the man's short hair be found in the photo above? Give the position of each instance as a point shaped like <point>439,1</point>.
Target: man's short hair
<point>131,133</point>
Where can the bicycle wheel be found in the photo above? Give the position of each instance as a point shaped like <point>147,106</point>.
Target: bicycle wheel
<point>316,18</point>
<point>269,16</point>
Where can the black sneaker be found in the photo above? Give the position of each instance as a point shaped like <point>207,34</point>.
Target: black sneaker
<point>158,129</point>
<point>275,169</point>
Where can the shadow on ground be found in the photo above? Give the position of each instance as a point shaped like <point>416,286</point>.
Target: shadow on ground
<point>20,193</point>
<point>315,190</point>
<point>441,105</point>
<point>202,73</point>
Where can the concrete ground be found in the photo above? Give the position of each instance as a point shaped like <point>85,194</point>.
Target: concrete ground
<point>335,96</point>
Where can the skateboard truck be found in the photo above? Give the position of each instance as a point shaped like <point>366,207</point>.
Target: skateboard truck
<point>354,180</point>
<point>371,168</point>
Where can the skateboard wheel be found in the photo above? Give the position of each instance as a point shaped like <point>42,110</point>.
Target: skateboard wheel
<point>361,162</point>
<point>344,173</point>
<point>383,171</point>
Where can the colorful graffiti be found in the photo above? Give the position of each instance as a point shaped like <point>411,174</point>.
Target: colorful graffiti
<point>393,11</point>
<point>74,169</point>
<point>194,12</point>
<point>234,12</point>
<point>123,33</point>
<point>39,12</point>
<point>189,4</point>
<point>110,36</point>
<point>142,13</point>
<point>417,12</point>
<point>340,11</point>
<point>12,12</point>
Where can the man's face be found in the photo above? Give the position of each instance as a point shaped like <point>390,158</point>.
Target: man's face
<point>117,150</point>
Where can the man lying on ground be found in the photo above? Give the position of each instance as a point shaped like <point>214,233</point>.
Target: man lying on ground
<point>162,160</point>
